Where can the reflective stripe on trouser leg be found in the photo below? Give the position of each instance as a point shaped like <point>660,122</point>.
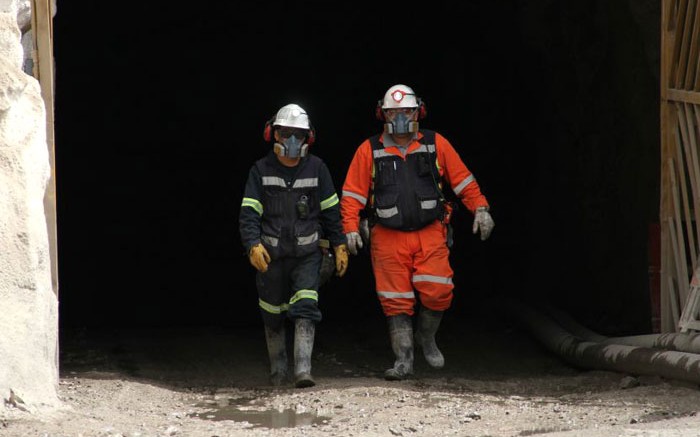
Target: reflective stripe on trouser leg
<point>432,276</point>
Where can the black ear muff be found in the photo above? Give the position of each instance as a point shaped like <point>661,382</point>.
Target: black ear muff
<point>268,132</point>
<point>379,113</point>
<point>422,110</point>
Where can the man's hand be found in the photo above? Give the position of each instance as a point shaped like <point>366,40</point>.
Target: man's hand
<point>341,259</point>
<point>259,257</point>
<point>354,242</point>
<point>483,222</point>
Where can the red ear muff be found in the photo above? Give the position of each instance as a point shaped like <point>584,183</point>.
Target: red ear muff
<point>422,111</point>
<point>268,131</point>
<point>378,112</point>
<point>311,136</point>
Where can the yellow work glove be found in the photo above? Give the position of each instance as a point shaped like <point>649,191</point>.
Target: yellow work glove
<point>259,257</point>
<point>341,259</point>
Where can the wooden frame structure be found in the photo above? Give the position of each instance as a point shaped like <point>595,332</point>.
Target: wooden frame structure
<point>42,55</point>
<point>679,214</point>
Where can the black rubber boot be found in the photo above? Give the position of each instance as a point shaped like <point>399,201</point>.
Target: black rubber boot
<point>401,334</point>
<point>428,324</point>
<point>277,351</point>
<point>304,330</point>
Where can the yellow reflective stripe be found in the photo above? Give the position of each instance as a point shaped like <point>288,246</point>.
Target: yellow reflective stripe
<point>272,309</point>
<point>333,200</point>
<point>304,294</point>
<point>253,203</point>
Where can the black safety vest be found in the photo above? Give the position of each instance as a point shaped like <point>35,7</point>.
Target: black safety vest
<point>406,192</point>
<point>290,221</point>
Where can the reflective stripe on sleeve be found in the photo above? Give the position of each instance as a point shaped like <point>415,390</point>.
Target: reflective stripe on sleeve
<point>331,201</point>
<point>459,187</point>
<point>361,199</point>
<point>253,203</point>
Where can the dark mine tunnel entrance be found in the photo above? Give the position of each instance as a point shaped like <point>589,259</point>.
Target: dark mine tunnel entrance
<point>160,111</point>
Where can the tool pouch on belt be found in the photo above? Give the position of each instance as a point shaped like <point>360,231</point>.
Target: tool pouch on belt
<point>328,262</point>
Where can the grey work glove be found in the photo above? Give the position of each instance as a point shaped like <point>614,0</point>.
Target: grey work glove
<point>354,242</point>
<point>483,222</point>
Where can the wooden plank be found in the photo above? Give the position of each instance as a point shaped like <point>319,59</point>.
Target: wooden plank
<point>42,31</point>
<point>677,243</point>
<point>668,12</point>
<point>675,313</point>
<point>695,160</point>
<point>678,43</point>
<point>696,112</point>
<point>689,316</point>
<point>669,9</point>
<point>696,86</point>
<point>683,96</point>
<point>685,160</point>
<point>676,289</point>
<point>682,59</point>
<point>693,58</point>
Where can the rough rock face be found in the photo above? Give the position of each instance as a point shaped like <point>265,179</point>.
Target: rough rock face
<point>28,305</point>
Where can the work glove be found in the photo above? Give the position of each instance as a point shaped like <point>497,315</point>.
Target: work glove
<point>354,242</point>
<point>483,222</point>
<point>341,259</point>
<point>259,257</point>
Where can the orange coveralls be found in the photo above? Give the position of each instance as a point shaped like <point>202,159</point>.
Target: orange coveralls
<point>406,260</point>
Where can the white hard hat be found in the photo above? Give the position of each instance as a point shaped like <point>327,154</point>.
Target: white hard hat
<point>399,96</point>
<point>292,115</point>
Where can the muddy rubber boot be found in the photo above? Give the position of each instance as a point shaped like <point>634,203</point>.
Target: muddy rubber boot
<point>304,330</point>
<point>277,351</point>
<point>428,324</point>
<point>401,334</point>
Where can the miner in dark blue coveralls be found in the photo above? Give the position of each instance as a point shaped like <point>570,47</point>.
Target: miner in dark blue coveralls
<point>289,206</point>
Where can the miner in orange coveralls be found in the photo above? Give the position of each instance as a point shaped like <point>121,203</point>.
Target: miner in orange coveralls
<point>396,179</point>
